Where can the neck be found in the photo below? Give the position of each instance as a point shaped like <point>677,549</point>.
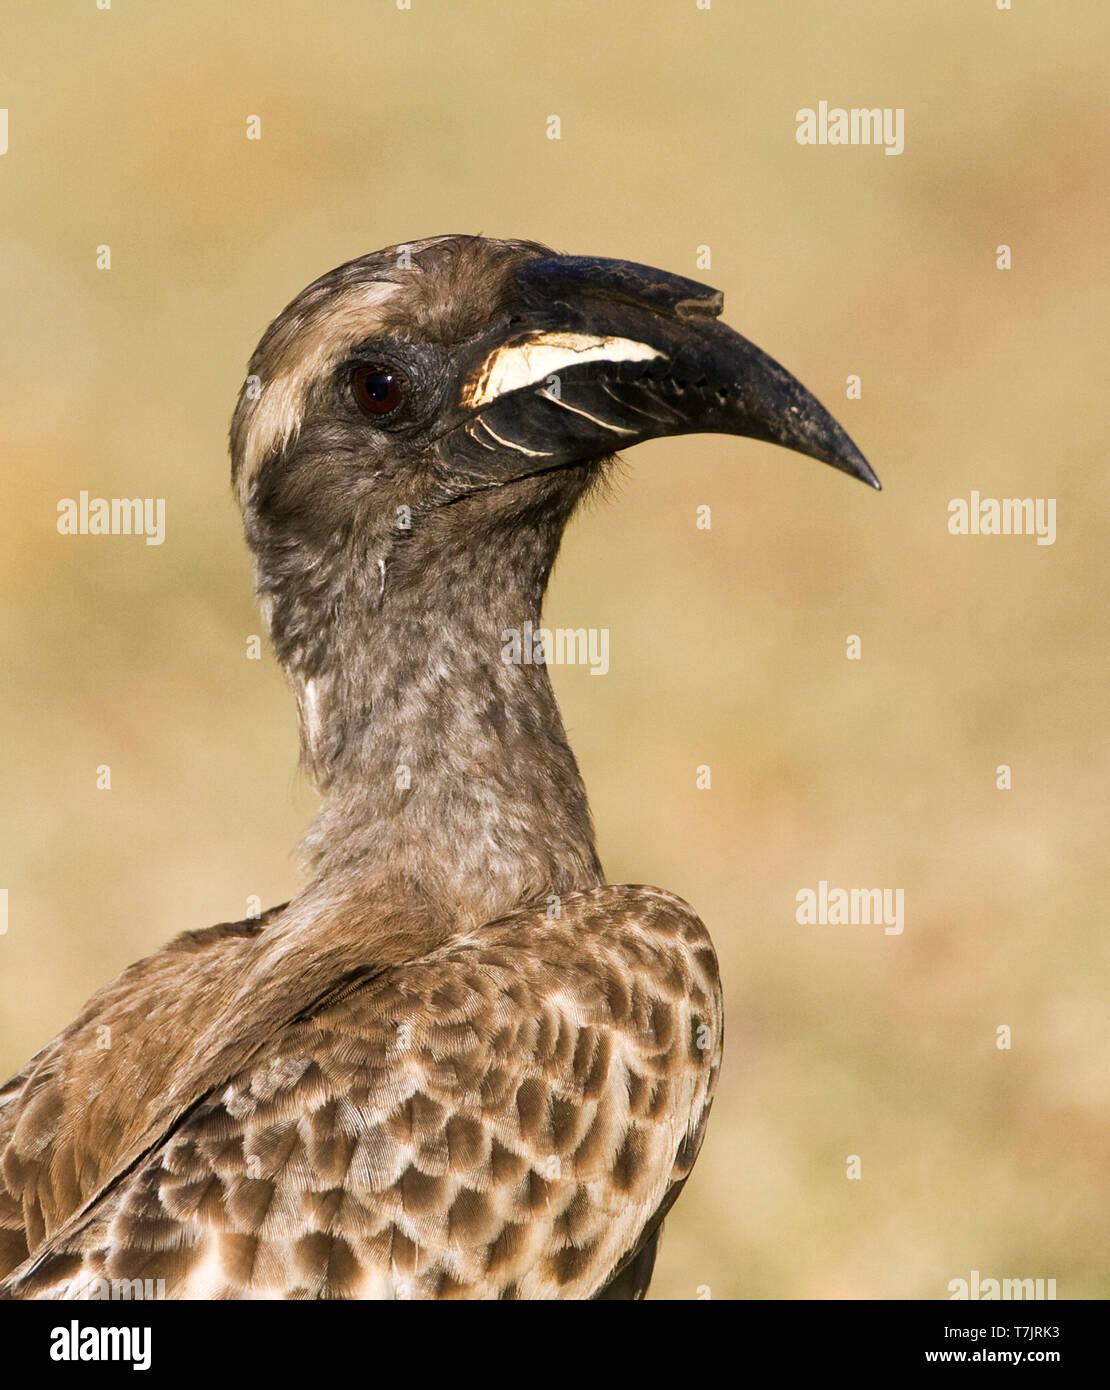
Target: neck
<point>445,770</point>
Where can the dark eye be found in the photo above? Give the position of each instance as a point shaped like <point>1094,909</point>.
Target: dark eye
<point>377,390</point>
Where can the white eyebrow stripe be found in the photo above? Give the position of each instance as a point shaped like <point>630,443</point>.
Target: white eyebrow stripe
<point>577,410</point>
<point>303,347</point>
<point>511,368</point>
<point>512,444</point>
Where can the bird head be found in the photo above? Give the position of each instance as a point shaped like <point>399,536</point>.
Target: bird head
<point>441,406</point>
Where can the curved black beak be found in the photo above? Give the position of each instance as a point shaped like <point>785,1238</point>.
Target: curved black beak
<point>593,356</point>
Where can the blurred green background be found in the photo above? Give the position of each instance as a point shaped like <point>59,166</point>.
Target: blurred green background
<point>127,128</point>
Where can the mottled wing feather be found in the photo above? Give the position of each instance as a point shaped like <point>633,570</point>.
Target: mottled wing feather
<point>506,1116</point>
<point>13,1231</point>
<point>49,1153</point>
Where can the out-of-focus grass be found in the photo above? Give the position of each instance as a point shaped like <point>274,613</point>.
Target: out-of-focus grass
<point>728,646</point>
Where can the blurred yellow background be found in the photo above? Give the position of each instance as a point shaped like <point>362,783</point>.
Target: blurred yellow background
<point>379,125</point>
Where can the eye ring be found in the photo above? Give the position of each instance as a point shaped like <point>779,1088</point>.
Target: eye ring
<point>377,390</point>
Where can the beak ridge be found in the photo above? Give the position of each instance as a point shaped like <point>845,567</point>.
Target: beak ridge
<point>638,284</point>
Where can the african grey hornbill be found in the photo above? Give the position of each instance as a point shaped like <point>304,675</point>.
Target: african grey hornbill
<point>458,1063</point>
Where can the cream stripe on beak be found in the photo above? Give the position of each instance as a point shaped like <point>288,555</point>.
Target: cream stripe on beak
<point>511,368</point>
